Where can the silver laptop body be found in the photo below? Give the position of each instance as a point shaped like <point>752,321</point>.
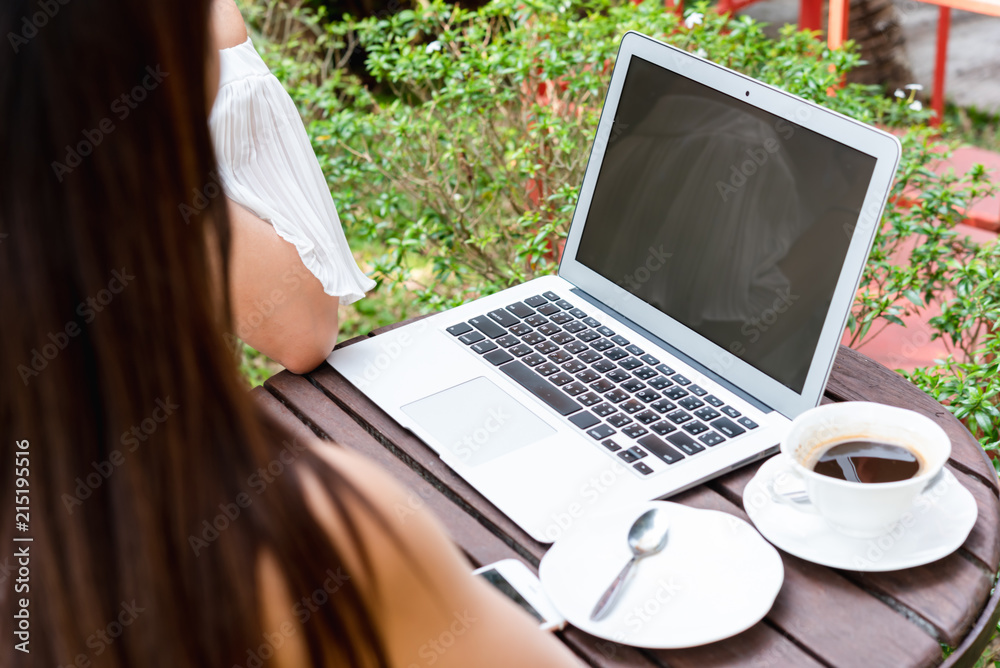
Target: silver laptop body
<point>718,241</point>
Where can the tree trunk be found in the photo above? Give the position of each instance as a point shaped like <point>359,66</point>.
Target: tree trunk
<point>875,26</point>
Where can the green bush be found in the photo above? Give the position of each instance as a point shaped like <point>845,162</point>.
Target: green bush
<point>461,157</point>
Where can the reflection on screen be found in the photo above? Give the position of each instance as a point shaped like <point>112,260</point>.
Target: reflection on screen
<point>500,582</point>
<point>724,217</point>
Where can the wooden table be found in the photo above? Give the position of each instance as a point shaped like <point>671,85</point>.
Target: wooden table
<point>822,617</point>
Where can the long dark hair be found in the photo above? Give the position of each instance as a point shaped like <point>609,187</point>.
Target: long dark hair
<point>121,406</point>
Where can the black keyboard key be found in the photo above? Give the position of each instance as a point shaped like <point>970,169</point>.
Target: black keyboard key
<point>697,390</point>
<point>685,443</point>
<point>471,337</point>
<point>562,319</point>
<point>535,320</point>
<point>588,399</point>
<point>695,427</point>
<point>561,378</point>
<point>632,385</point>
<point>600,431</point>
<point>665,370</point>
<point>591,322</point>
<point>532,338</point>
<point>620,340</point>
<point>603,385</point>
<point>630,363</point>
<point>588,335</point>
<point>635,350</point>
<point>560,357</point>
<point>534,359</point>
<point>577,313</point>
<point>647,395</point>
<point>551,296</point>
<point>484,347</point>
<point>611,445</point>
<point>587,376</point>
<point>575,348</point>
<point>678,417</point>
<point>675,392</point>
<point>520,329</point>
<point>547,369</point>
<point>601,365</point>
<point>574,388</point>
<point>662,406</point>
<point>711,438</point>
<point>498,357</point>
<point>619,420</point>
<point>535,301</point>
<point>638,452</point>
<point>681,380</point>
<point>747,422</point>
<point>618,376</point>
<point>604,409</point>
<point>730,411</point>
<point>660,449</point>
<point>487,327</point>
<point>548,309</point>
<point>604,330</point>
<point>574,326</point>
<point>644,373</point>
<point>642,468</point>
<point>649,359</point>
<point>713,400</point>
<point>600,345</point>
<point>707,414</point>
<point>564,305</point>
<point>615,354</point>
<point>548,329</point>
<point>508,341</point>
<point>663,427</point>
<point>584,420</point>
<point>520,350</point>
<point>647,417</point>
<point>538,386</point>
<point>546,347</point>
<point>628,455</point>
<point>505,318</point>
<point>631,406</point>
<point>728,427</point>
<point>459,329</point>
<point>659,382</point>
<point>615,396</point>
<point>691,403</point>
<point>634,431</point>
<point>562,338</point>
<point>573,366</point>
<point>520,309</point>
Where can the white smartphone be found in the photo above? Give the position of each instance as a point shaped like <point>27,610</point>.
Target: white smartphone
<point>519,584</point>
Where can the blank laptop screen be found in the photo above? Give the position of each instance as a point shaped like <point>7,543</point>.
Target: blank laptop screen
<point>730,220</point>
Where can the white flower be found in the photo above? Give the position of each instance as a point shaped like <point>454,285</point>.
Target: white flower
<point>432,47</point>
<point>701,53</point>
<point>913,87</point>
<point>693,19</point>
<point>916,106</point>
<point>900,94</point>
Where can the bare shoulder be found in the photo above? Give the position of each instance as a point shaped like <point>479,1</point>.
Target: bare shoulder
<point>228,28</point>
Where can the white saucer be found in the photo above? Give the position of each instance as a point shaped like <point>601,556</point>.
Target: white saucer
<point>715,578</point>
<point>936,525</point>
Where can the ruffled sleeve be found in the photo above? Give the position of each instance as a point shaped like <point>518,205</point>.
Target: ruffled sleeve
<point>267,165</point>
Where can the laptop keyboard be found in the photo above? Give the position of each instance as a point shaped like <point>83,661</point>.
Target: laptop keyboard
<point>638,408</point>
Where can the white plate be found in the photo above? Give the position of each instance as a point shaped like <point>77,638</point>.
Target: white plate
<point>715,578</point>
<point>936,525</point>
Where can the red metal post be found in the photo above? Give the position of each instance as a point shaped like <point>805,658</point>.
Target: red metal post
<point>940,64</point>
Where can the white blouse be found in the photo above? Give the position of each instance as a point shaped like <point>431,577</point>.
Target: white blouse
<point>267,165</point>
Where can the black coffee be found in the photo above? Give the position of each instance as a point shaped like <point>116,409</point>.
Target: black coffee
<point>868,461</point>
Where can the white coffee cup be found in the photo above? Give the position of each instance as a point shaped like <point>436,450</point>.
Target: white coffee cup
<point>857,509</point>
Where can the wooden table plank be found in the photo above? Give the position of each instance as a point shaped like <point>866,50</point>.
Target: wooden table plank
<point>858,378</point>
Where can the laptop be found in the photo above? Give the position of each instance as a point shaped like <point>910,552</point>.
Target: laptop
<point>710,266</point>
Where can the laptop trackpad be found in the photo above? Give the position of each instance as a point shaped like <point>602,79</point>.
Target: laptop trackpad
<point>477,421</point>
